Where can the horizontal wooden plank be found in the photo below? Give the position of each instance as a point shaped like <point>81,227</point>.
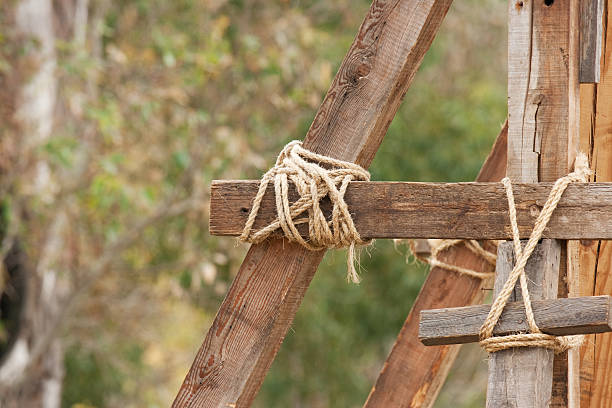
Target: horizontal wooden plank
<point>435,210</point>
<point>565,316</point>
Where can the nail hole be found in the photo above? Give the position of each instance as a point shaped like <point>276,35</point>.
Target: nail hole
<point>549,2</point>
<point>244,210</point>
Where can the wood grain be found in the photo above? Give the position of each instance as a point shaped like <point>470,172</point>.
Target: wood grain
<point>350,124</point>
<point>523,377</point>
<point>591,34</point>
<point>543,110</point>
<point>560,317</point>
<point>434,210</point>
<point>595,275</point>
<point>413,374</point>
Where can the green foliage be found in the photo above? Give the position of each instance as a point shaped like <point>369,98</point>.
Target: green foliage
<point>333,352</point>
<point>90,379</point>
<point>165,96</point>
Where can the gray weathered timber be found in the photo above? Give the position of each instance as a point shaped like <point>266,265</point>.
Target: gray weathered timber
<point>560,317</point>
<point>255,315</point>
<point>522,377</point>
<point>543,110</point>
<point>591,37</point>
<point>435,210</point>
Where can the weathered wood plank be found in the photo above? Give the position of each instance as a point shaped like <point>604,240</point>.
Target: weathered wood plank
<point>591,35</point>
<point>259,308</point>
<point>566,372</point>
<point>523,102</point>
<point>560,317</point>
<point>543,116</point>
<point>435,210</point>
<point>595,275</point>
<point>413,374</point>
<point>523,377</point>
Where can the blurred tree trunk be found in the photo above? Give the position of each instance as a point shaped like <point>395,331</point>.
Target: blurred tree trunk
<point>31,369</point>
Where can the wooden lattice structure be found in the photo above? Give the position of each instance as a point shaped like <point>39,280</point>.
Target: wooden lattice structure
<point>558,103</point>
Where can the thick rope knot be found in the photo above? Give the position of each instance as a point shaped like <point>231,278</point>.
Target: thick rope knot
<point>314,176</point>
<point>535,338</point>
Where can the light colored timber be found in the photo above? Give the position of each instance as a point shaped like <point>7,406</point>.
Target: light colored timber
<point>543,111</point>
<point>595,274</point>
<point>434,210</point>
<point>591,27</point>
<point>522,377</point>
<point>350,124</point>
<point>560,317</point>
<point>413,374</point>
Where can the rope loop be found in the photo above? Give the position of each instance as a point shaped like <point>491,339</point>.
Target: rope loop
<point>315,177</point>
<point>535,338</point>
<point>439,246</point>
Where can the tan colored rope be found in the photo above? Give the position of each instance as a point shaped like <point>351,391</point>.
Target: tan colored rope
<point>535,338</point>
<point>473,246</point>
<point>315,176</point>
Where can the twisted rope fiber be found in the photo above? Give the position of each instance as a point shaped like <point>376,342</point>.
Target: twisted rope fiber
<point>315,176</point>
<point>470,244</point>
<point>535,338</point>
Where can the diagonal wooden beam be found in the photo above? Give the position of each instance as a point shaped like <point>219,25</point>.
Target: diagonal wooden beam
<point>259,308</point>
<point>433,210</point>
<point>413,374</point>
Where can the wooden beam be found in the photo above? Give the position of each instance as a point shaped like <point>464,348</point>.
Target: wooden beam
<point>560,317</point>
<point>259,308</point>
<point>543,113</point>
<point>413,374</point>
<point>591,35</point>
<point>595,257</point>
<point>523,377</point>
<point>434,210</point>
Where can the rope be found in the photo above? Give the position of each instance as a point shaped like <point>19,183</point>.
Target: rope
<point>474,246</point>
<point>535,338</point>
<point>315,176</point>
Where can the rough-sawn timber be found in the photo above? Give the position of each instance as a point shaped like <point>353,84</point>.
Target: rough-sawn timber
<point>435,210</point>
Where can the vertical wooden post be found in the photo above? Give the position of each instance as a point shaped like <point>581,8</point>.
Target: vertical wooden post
<point>542,131</point>
<point>591,12</point>
<point>595,267</point>
<point>523,377</point>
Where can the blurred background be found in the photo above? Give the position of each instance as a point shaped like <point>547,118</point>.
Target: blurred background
<point>116,115</point>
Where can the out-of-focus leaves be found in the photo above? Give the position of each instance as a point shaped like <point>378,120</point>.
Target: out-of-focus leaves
<point>162,97</point>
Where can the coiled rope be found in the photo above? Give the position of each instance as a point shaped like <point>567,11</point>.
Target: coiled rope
<point>315,176</point>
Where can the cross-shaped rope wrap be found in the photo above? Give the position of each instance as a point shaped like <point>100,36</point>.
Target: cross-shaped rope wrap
<point>315,176</point>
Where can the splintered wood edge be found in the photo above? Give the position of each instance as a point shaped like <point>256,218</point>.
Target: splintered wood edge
<point>433,210</point>
<point>560,317</point>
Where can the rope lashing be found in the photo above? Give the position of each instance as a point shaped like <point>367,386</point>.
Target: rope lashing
<point>535,338</point>
<point>438,246</point>
<point>474,246</point>
<point>315,176</point>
